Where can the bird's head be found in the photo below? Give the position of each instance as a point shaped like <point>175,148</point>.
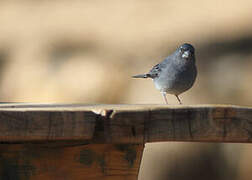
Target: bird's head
<point>186,51</point>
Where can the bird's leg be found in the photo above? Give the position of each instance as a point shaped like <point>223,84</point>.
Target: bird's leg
<point>164,95</point>
<point>178,99</point>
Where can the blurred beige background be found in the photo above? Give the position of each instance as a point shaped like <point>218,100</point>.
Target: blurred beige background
<point>86,51</point>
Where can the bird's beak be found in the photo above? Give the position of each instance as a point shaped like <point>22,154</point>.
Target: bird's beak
<point>186,54</point>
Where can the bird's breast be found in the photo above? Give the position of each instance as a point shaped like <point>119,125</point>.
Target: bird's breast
<point>176,81</point>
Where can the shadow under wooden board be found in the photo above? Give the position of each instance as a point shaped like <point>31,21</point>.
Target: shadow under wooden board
<point>74,141</point>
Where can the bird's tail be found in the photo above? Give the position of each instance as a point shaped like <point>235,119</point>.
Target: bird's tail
<point>141,76</point>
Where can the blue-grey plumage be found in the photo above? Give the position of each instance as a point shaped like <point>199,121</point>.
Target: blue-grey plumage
<point>176,73</point>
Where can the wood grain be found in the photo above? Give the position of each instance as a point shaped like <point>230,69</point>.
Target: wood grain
<point>61,161</point>
<point>73,141</point>
<point>124,123</point>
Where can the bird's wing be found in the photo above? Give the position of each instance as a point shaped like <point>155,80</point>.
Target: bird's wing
<point>156,70</point>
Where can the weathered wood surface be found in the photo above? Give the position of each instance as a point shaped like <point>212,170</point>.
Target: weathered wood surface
<point>57,141</point>
<point>124,123</point>
<point>67,162</point>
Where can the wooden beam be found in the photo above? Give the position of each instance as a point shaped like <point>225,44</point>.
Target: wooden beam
<point>129,124</point>
<point>61,161</point>
<point>101,142</point>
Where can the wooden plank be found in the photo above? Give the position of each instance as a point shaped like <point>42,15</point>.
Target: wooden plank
<point>62,141</point>
<point>42,125</point>
<point>124,123</point>
<point>61,161</point>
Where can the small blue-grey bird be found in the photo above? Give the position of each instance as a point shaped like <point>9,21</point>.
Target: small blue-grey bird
<point>176,73</point>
